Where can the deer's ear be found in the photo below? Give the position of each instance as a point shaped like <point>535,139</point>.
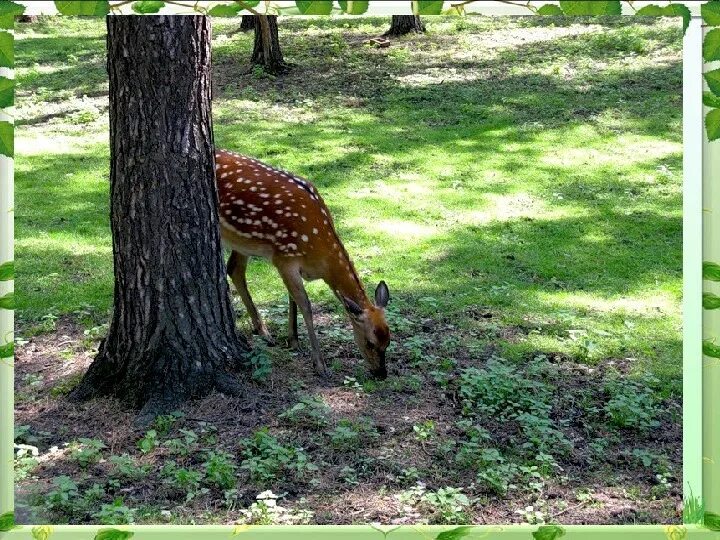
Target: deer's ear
<point>352,307</point>
<point>382,295</point>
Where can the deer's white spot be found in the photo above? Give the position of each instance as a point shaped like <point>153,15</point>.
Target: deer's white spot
<point>315,231</point>
<point>304,238</point>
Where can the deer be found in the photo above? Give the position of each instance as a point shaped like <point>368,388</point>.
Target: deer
<point>272,214</point>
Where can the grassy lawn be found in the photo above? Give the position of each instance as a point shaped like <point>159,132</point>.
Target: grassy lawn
<point>517,184</point>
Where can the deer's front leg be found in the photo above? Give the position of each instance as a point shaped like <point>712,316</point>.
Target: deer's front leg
<point>294,283</point>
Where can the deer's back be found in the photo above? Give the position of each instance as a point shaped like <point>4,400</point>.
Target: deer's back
<point>271,213</point>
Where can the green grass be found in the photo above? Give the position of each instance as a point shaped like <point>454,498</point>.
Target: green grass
<point>538,180</point>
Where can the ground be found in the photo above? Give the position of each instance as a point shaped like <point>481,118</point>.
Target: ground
<point>516,182</point>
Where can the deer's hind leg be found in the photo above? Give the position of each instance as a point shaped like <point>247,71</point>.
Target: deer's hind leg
<point>236,269</point>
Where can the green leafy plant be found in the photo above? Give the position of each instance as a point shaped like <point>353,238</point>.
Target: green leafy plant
<point>125,466</point>
<point>310,412</point>
<point>632,404</point>
<point>449,505</point>
<point>86,451</point>
<point>220,470</point>
<point>265,458</point>
<point>148,442</point>
<point>116,513</point>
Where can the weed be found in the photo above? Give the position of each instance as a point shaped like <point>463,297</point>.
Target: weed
<point>220,470</point>
<point>310,412</point>
<point>125,466</point>
<point>449,505</point>
<point>115,514</point>
<point>424,431</point>
<point>148,442</point>
<point>86,452</point>
<point>265,458</point>
<point>632,404</point>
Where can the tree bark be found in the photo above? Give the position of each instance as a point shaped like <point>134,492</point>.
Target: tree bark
<point>248,23</point>
<point>405,24</point>
<point>266,52</point>
<point>172,335</point>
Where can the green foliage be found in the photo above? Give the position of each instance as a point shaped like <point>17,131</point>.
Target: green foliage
<point>125,466</point>
<point>113,534</point>
<point>711,349</point>
<point>672,10</point>
<point>7,271</point>
<point>314,7</point>
<point>449,504</point>
<point>594,7</point>
<point>710,99</point>
<point>357,7</point>
<point>710,12</point>
<point>164,422</point>
<point>86,7</point>
<point>424,431</point>
<point>7,95</point>
<point>7,56</point>
<point>225,10</point>
<point>548,532</point>
<point>711,301</point>
<point>7,521</point>
<point>632,404</point>
<point>711,51</point>
<point>7,301</point>
<point>711,271</point>
<point>712,124</point>
<point>427,7</point>
<point>115,514</point>
<point>86,451</point>
<point>184,445</point>
<point>7,142</point>
<point>148,442</point>
<point>220,470</point>
<point>550,9</point>
<point>64,497</point>
<point>265,459</point>
<point>309,412</point>
<point>145,7</point>
<point>261,363</point>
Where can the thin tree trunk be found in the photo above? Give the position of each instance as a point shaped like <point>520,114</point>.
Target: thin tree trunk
<point>248,23</point>
<point>405,24</point>
<point>172,334</point>
<point>266,52</point>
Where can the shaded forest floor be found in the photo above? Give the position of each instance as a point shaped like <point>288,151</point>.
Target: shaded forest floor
<point>524,187</point>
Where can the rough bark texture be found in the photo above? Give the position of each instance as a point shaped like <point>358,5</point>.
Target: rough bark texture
<point>172,335</point>
<point>404,24</point>
<point>248,23</point>
<point>266,52</point>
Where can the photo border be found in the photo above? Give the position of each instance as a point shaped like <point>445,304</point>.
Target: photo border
<point>701,376</point>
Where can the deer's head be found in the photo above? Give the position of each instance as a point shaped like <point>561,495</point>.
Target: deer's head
<point>372,334</point>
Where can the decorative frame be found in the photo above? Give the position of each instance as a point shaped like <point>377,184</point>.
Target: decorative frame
<point>701,270</point>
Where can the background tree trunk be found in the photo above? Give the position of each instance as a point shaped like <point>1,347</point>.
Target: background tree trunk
<point>404,24</point>
<point>172,335</point>
<point>266,52</point>
<point>247,23</point>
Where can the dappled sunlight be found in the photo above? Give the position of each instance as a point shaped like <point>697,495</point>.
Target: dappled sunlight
<point>623,153</point>
<point>62,243</point>
<point>501,207</point>
<point>642,303</point>
<point>409,231</point>
<point>41,142</point>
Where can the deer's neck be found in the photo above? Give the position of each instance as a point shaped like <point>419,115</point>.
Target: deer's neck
<point>344,281</point>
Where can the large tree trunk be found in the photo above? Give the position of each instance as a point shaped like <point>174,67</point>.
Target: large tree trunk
<point>248,23</point>
<point>172,335</point>
<point>266,52</point>
<point>404,24</point>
